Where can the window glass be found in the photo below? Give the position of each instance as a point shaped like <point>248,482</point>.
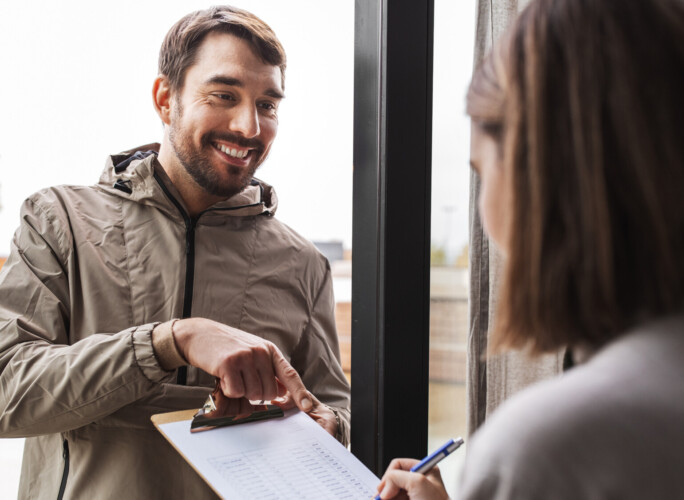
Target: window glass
<point>453,48</point>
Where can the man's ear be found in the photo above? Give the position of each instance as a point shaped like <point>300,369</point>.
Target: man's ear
<point>163,99</point>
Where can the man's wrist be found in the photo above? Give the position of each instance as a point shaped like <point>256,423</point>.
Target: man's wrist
<point>338,430</point>
<point>165,348</point>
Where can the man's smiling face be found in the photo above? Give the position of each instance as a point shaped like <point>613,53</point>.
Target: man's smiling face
<point>225,117</point>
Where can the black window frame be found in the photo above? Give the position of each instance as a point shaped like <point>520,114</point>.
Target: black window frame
<point>391,229</point>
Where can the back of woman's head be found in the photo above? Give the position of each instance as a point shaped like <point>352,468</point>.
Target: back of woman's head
<point>587,100</point>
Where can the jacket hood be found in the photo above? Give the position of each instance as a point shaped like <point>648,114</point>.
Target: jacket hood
<point>138,176</point>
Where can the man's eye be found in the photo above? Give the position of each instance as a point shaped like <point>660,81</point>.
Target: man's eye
<point>224,97</point>
<point>269,106</point>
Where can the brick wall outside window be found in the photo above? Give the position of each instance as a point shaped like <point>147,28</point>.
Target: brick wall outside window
<point>448,326</point>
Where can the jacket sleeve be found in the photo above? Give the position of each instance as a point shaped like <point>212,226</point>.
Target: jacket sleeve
<point>47,383</point>
<point>317,357</point>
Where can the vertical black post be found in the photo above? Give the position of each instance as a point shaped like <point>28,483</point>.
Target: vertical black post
<point>391,234</point>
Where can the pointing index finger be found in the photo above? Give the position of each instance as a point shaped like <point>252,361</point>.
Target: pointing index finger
<point>289,377</point>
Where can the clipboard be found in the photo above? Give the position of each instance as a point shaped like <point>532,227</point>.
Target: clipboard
<point>269,458</point>
<point>202,421</point>
<point>214,412</point>
<point>160,419</point>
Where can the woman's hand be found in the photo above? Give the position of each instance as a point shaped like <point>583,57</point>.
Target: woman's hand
<point>399,482</point>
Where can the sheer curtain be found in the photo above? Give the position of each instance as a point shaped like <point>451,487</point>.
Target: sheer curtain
<point>490,381</point>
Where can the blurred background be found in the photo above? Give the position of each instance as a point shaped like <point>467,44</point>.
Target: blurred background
<point>77,87</point>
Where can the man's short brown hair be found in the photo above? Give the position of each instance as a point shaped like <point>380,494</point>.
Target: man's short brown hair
<point>181,43</point>
<point>586,98</point>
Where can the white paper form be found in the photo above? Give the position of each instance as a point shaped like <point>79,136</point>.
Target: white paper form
<point>284,458</point>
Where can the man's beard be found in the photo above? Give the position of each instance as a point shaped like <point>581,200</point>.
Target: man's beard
<point>197,162</point>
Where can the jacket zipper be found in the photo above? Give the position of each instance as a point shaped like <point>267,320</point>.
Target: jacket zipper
<point>190,224</point>
<point>65,474</point>
<point>182,375</point>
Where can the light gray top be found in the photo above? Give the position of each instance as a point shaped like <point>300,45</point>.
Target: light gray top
<point>612,428</point>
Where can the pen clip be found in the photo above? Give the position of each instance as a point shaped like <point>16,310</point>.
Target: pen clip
<point>433,459</point>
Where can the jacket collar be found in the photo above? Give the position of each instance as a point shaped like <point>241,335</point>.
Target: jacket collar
<point>138,176</point>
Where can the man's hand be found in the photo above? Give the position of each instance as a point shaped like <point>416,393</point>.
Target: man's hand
<point>247,366</point>
<point>323,415</point>
<point>399,482</point>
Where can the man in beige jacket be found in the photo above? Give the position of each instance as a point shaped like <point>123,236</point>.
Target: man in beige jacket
<point>131,297</point>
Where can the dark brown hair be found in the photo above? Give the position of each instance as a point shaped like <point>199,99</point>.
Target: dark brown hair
<point>181,43</point>
<point>587,100</point>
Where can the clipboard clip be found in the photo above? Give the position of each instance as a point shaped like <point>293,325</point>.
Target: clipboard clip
<point>209,406</point>
<point>209,417</point>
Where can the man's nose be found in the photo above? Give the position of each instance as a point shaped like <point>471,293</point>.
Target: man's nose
<point>245,120</point>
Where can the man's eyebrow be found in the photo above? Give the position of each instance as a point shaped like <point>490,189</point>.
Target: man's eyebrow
<point>276,94</point>
<point>234,82</point>
<point>225,80</point>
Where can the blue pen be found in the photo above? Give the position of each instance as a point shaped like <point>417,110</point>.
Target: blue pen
<point>430,461</point>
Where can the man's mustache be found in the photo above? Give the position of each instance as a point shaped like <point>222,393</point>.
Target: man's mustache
<point>235,139</point>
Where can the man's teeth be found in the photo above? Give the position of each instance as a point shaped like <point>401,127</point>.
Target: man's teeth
<point>235,153</point>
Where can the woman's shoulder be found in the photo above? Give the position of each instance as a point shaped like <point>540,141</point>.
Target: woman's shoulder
<point>603,425</point>
<point>642,367</point>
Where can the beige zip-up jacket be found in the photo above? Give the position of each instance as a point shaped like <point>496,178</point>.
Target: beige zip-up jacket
<point>92,270</point>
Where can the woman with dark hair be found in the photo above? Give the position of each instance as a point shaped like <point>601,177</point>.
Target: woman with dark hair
<point>577,122</point>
